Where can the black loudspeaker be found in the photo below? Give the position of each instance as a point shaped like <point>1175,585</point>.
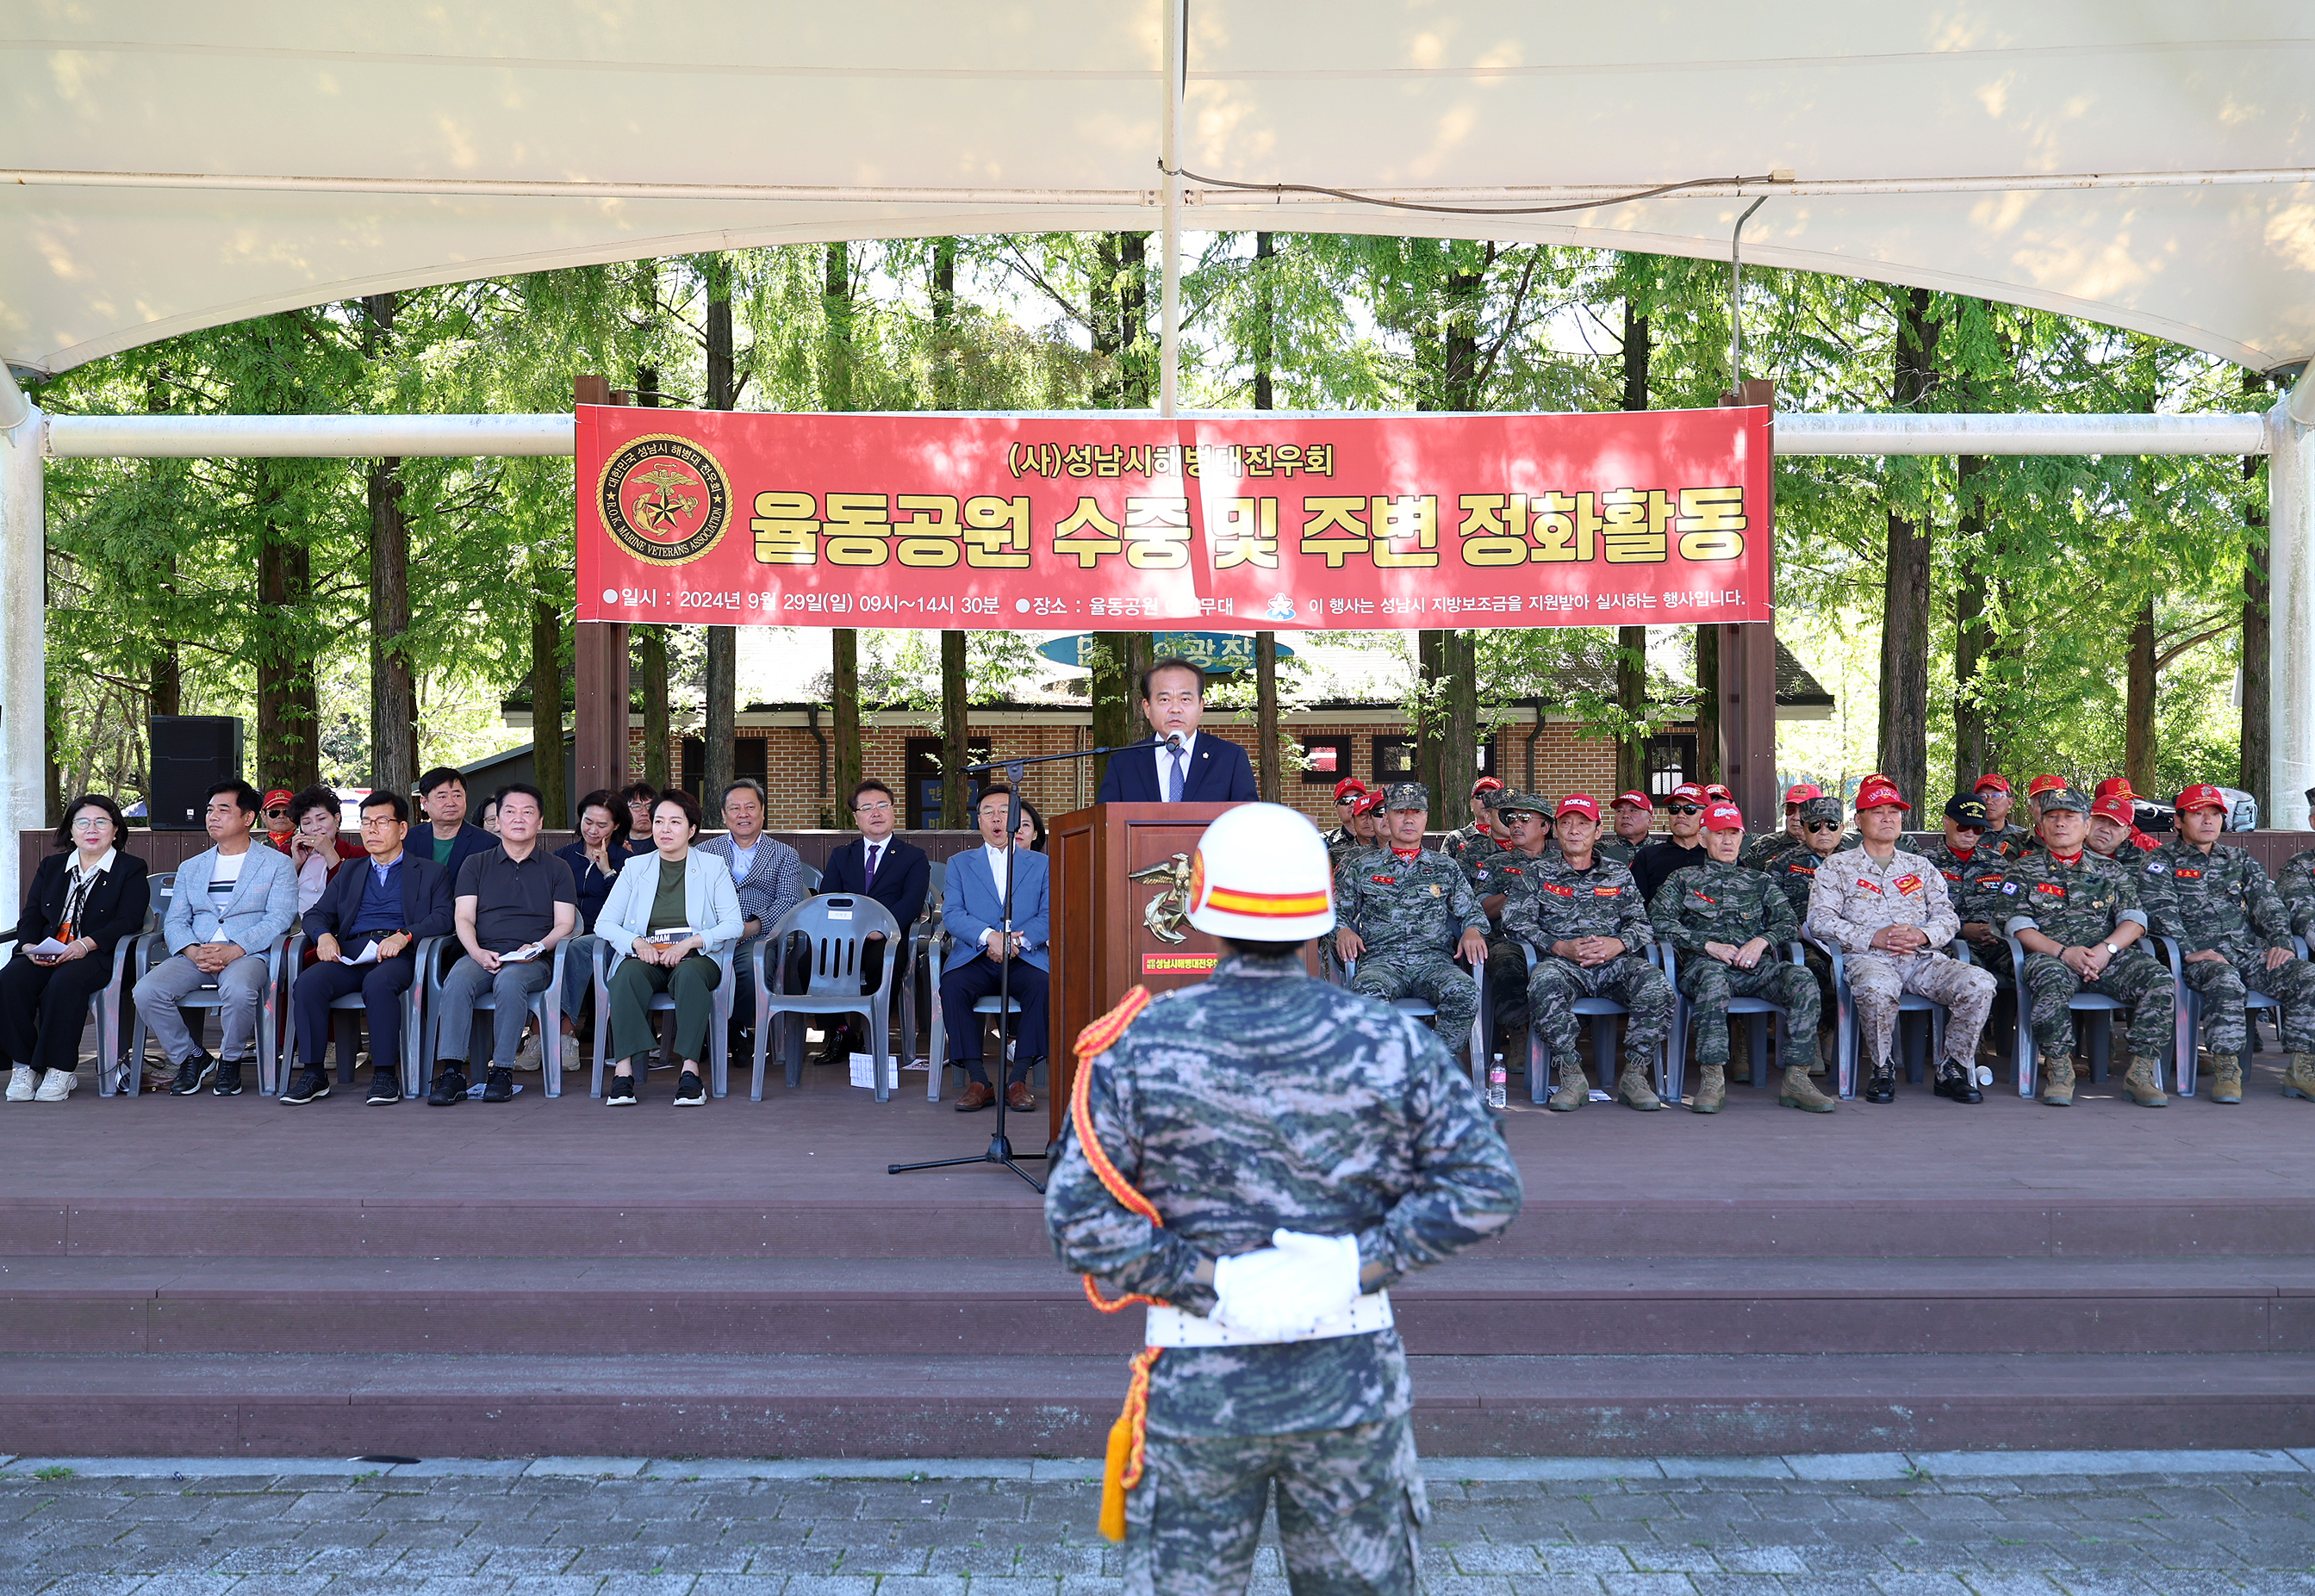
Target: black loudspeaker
<point>190,755</point>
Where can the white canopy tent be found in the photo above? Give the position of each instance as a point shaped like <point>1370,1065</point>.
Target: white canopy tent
<point>172,168</point>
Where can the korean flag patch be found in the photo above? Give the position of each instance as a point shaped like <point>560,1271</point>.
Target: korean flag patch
<point>2154,868</point>
<point>2009,889</point>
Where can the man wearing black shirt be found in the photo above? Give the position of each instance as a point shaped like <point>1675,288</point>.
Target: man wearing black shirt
<point>1683,847</point>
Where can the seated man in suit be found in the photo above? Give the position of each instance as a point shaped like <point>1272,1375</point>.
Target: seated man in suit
<point>768,876</point>
<point>366,929</point>
<point>971,915</point>
<point>1196,770</point>
<point>879,866</point>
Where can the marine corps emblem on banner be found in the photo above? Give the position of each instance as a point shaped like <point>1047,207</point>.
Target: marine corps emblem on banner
<point>665,498</point>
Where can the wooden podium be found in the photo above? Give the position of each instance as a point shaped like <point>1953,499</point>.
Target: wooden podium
<point>1105,939</point>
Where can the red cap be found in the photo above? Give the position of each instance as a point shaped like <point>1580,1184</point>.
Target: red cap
<point>2202,795</point>
<point>1717,791</point>
<point>2043,783</point>
<point>1800,793</point>
<point>1723,817</point>
<point>1486,783</point>
<point>1636,799</point>
<point>1580,803</point>
<point>2115,806</point>
<point>1688,792</point>
<point>2113,784</point>
<point>1879,792</point>
<point>1991,781</point>
<point>281,795</point>
<point>1368,804</point>
<point>1348,786</point>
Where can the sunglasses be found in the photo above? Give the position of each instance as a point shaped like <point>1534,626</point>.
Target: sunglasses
<point>1682,809</point>
<point>1824,825</point>
<point>273,813</point>
<point>1972,831</point>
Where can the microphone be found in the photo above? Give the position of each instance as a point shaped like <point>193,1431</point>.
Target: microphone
<point>1173,741</point>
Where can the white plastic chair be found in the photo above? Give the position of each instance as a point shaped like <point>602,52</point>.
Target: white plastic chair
<point>719,1025</point>
<point>1684,1018</point>
<point>412,1065</point>
<point>113,1074</point>
<point>835,927</point>
<point>207,996</point>
<point>545,1004</point>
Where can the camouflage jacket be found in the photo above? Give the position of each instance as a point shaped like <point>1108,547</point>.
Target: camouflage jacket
<point>2222,899</point>
<point>1614,849</point>
<point>1259,1099</point>
<point>1716,902</point>
<point>2076,905</point>
<point>1855,895</point>
<point>2010,842</point>
<point>2296,883</point>
<point>1974,883</point>
<point>1501,870</point>
<point>1795,873</point>
<point>1462,839</point>
<point>1766,846</point>
<point>1405,905</point>
<point>1556,902</point>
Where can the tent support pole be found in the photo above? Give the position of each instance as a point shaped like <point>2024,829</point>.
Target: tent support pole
<point>1169,158</point>
<point>23,630</point>
<point>2291,605</point>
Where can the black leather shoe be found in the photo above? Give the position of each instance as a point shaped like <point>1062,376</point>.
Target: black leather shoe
<point>1881,1087</point>
<point>1960,1089</point>
<point>498,1086</point>
<point>192,1075</point>
<point>449,1087</point>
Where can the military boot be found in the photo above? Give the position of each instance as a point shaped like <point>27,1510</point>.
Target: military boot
<point>1711,1090</point>
<point>1575,1088</point>
<point>2299,1076</point>
<point>2058,1081</point>
<point>1800,1091</point>
<point>1633,1091</point>
<point>2225,1072</point>
<point>2141,1086</point>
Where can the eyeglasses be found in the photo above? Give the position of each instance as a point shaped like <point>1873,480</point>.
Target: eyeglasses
<point>1824,825</point>
<point>276,814</point>
<point>1971,831</point>
<point>1682,809</point>
<point>88,821</point>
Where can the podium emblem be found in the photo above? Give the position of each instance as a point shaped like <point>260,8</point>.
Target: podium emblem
<point>1168,911</point>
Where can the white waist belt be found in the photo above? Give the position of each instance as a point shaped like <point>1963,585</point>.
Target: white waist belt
<point>1178,1327</point>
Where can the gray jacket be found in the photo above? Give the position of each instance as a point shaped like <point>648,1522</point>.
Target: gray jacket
<point>775,880</point>
<point>258,911</point>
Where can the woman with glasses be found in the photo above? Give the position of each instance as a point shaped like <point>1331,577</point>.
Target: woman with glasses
<point>81,904</point>
<point>314,843</point>
<point>595,860</point>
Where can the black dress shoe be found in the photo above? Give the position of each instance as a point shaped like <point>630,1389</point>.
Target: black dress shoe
<point>1960,1089</point>
<point>1881,1086</point>
<point>449,1087</point>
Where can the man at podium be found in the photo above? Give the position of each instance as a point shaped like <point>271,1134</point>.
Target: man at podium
<point>1177,765</point>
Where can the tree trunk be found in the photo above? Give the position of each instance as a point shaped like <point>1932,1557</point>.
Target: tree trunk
<point>1632,641</point>
<point>392,680</point>
<point>1903,740</point>
<point>1265,340</point>
<point>944,352</point>
<point>167,688</point>
<point>1459,755</point>
<point>1431,676</point>
<point>1269,773</point>
<point>1137,356</point>
<point>1102,319</point>
<point>2255,772</point>
<point>836,302</point>
<point>722,666</point>
<point>547,708</point>
<point>1973,633</point>
<point>843,676</point>
<point>165,693</point>
<point>649,656</point>
<point>288,753</point>
<point>2138,712</point>
<point>957,731</point>
<point>1112,694</point>
<point>1707,705</point>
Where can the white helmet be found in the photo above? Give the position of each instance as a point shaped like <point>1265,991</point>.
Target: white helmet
<point>1261,874</point>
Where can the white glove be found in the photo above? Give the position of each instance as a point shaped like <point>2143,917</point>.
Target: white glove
<point>1286,1288</point>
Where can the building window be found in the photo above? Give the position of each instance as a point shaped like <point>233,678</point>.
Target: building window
<point>750,758</point>
<point>1325,760</point>
<point>922,761</point>
<point>1671,760</point>
<point>1394,759</point>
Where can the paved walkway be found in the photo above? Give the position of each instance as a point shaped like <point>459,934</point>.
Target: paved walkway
<point>2179,1524</point>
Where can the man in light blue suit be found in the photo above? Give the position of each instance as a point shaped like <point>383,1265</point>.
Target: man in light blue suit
<point>229,905</point>
<point>972,909</point>
<point>1193,768</point>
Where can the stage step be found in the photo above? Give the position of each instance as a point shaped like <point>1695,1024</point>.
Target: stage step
<point>908,1308</point>
<point>624,1397</point>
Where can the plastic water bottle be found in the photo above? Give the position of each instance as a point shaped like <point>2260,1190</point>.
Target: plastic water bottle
<point>1497,1096</point>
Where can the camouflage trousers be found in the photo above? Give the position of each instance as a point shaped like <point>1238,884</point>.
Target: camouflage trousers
<point>1554,984</point>
<point>2223,986</point>
<point>1434,979</point>
<point>2136,980</point>
<point>1350,1511</point>
<point>1507,981</point>
<point>1709,985</point>
<point>1877,980</point>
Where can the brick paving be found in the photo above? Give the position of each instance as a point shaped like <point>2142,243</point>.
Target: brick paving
<point>710,1529</point>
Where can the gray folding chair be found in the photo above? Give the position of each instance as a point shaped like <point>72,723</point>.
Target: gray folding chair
<point>719,1025</point>
<point>2186,1038</point>
<point>835,927</point>
<point>2098,1030</point>
<point>207,997</point>
<point>546,1004</point>
<point>412,1065</point>
<point>1847,1038</point>
<point>113,1074</point>
<point>1683,1020</point>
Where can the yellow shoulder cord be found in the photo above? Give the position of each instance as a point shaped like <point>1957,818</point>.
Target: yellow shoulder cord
<point>1121,1470</point>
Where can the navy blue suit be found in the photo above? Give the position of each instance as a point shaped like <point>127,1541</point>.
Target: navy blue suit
<point>1218,773</point>
<point>973,905</point>
<point>426,911</point>
<point>903,876</point>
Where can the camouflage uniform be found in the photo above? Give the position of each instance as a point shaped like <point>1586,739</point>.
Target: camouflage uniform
<point>1464,838</point>
<point>1766,846</point>
<point>1410,914</point>
<point>2080,905</point>
<point>2222,902</point>
<point>1257,1100</point>
<point>1506,872</point>
<point>1557,902</point>
<point>2010,841</point>
<point>2295,882</point>
<point>1855,895</point>
<point>1973,883</point>
<point>1615,850</point>
<point>1716,902</point>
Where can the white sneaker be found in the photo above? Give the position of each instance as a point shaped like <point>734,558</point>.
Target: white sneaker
<point>527,1056</point>
<point>19,1083</point>
<point>55,1085</point>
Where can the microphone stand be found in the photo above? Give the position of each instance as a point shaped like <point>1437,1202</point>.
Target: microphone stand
<point>999,1150</point>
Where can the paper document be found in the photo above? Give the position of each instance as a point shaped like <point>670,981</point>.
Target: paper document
<point>48,948</point>
<point>521,955</point>
<point>369,955</point>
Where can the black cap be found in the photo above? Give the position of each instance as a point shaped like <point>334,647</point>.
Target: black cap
<point>1968,810</point>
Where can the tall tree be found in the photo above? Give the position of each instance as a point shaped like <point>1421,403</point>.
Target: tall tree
<point>723,664</point>
<point>288,715</point>
<point>1974,594</point>
<point>2253,769</point>
<point>838,381</point>
<point>955,709</point>
<point>1632,641</point>
<point>1269,776</point>
<point>392,682</point>
<point>2138,718</point>
<point>546,706</point>
<point>1903,740</point>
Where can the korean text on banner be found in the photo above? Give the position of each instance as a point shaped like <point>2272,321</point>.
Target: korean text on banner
<point>1046,523</point>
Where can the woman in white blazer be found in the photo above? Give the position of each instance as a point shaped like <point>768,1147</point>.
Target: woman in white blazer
<point>671,888</point>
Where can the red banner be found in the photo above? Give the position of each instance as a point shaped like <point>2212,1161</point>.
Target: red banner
<point>1048,523</point>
